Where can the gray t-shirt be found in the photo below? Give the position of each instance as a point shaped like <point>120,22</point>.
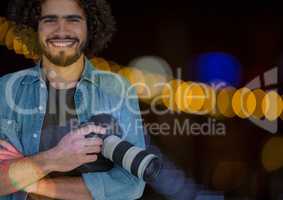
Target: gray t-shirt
<point>59,119</point>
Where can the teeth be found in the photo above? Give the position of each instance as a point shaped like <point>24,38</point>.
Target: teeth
<point>62,43</point>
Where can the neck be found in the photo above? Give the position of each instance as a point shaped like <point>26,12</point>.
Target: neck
<point>63,77</point>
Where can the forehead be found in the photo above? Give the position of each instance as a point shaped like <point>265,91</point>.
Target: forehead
<point>61,8</point>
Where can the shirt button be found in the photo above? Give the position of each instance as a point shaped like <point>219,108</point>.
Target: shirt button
<point>42,85</point>
<point>34,135</point>
<point>9,122</point>
<point>40,108</point>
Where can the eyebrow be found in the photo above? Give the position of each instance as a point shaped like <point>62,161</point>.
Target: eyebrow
<point>56,17</point>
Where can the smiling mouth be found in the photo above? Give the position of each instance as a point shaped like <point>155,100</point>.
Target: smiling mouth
<point>62,43</point>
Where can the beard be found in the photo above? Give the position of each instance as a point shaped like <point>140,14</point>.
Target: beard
<point>62,59</point>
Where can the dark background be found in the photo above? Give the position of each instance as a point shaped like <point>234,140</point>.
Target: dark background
<point>178,31</point>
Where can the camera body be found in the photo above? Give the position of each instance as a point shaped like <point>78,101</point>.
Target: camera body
<point>135,160</point>
<point>102,164</point>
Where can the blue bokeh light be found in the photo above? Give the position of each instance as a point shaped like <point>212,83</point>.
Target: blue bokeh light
<point>218,67</point>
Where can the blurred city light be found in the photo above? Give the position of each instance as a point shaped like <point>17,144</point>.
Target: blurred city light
<point>218,67</point>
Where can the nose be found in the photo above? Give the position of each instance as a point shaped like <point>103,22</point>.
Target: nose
<point>61,28</point>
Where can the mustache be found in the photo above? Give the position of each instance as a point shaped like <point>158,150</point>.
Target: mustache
<point>62,38</point>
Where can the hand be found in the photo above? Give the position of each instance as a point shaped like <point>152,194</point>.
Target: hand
<point>8,151</point>
<point>32,188</point>
<point>74,149</point>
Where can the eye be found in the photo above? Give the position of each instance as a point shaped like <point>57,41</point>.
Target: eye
<point>74,20</point>
<point>49,20</point>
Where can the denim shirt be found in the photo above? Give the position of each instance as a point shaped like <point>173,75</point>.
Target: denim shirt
<point>23,99</point>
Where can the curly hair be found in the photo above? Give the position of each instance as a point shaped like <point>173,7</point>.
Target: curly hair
<point>100,22</point>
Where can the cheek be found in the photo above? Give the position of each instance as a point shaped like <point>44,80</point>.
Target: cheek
<point>42,34</point>
<point>84,36</point>
<point>44,31</point>
<point>40,37</point>
<point>41,29</point>
<point>83,32</point>
<point>42,40</point>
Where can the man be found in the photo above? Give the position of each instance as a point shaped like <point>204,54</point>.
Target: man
<point>39,142</point>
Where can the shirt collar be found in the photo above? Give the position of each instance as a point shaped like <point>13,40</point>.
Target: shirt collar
<point>89,74</point>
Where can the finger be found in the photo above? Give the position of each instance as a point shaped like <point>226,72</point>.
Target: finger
<point>83,142</point>
<point>97,129</point>
<point>4,144</point>
<point>8,157</point>
<point>8,146</point>
<point>81,132</point>
<point>5,157</point>
<point>101,130</point>
<point>6,152</point>
<point>89,158</point>
<point>93,141</point>
<point>91,149</point>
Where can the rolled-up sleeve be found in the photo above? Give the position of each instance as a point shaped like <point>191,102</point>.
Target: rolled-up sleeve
<point>119,184</point>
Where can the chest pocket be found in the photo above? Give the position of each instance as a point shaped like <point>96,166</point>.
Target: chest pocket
<point>9,131</point>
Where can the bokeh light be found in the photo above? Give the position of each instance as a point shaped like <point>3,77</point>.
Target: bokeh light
<point>281,115</point>
<point>114,67</point>
<point>4,27</point>
<point>18,46</point>
<point>168,94</point>
<point>157,72</point>
<point>229,175</point>
<point>136,78</point>
<point>190,97</point>
<point>210,99</point>
<point>154,84</point>
<point>101,64</point>
<point>224,101</point>
<point>218,66</point>
<point>259,95</point>
<point>272,152</point>
<point>9,40</point>
<point>152,64</point>
<point>272,105</point>
<point>19,179</point>
<point>244,103</point>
